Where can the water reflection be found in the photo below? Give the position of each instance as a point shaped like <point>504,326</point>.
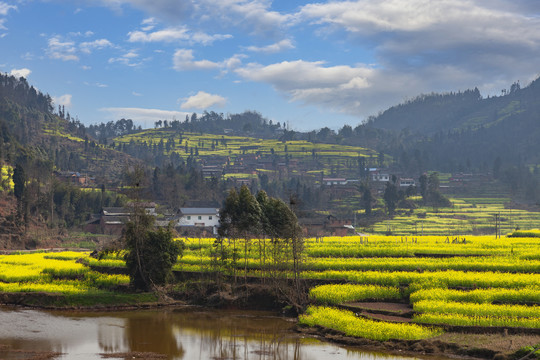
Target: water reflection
<point>186,333</point>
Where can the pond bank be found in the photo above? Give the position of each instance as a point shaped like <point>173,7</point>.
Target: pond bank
<point>492,345</point>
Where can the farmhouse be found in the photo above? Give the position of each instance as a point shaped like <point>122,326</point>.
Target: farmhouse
<point>199,217</point>
<point>406,182</point>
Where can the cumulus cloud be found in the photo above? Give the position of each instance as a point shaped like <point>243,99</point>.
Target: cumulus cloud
<point>492,39</point>
<point>141,116</point>
<point>285,44</point>
<point>62,50</point>
<point>130,58</point>
<point>166,35</point>
<point>254,15</point>
<point>88,46</point>
<point>18,73</point>
<point>64,100</point>
<point>184,60</point>
<point>203,100</point>
<point>419,46</point>
<point>5,8</point>
<point>314,83</point>
<point>175,34</point>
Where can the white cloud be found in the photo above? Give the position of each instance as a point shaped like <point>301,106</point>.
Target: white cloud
<point>203,100</point>
<point>254,15</point>
<point>128,59</point>
<point>64,100</point>
<point>141,116</point>
<point>419,45</point>
<point>99,44</point>
<point>335,87</point>
<point>184,60</point>
<point>5,8</point>
<point>282,45</point>
<point>134,93</point>
<point>423,32</point>
<point>206,39</point>
<point>62,50</point>
<point>18,73</point>
<point>175,34</point>
<point>166,35</point>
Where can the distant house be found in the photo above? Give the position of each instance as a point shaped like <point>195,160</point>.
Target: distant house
<point>112,220</point>
<point>406,182</point>
<point>203,217</point>
<point>380,177</point>
<point>326,225</point>
<point>334,181</point>
<point>212,171</point>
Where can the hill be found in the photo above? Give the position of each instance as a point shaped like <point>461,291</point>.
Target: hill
<point>464,111</point>
<point>45,147</point>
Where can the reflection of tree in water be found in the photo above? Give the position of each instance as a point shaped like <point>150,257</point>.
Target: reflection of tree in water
<point>153,334</point>
<point>141,332</point>
<point>111,335</point>
<point>226,335</point>
<point>218,335</point>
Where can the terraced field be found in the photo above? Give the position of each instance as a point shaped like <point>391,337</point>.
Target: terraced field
<point>439,283</point>
<point>466,216</point>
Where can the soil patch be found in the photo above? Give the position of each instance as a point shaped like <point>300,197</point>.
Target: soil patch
<point>7,352</point>
<point>387,307</point>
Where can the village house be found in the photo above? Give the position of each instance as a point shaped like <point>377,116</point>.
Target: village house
<point>112,220</point>
<point>199,217</point>
<point>378,176</point>
<point>406,182</point>
<point>325,226</point>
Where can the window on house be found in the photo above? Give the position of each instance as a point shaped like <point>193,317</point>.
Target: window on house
<point>199,217</point>
<point>189,217</point>
<point>210,218</point>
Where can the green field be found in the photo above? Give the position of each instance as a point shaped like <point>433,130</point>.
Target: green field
<point>466,216</point>
<point>315,158</point>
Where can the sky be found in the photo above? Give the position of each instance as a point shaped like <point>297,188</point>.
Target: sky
<point>306,64</point>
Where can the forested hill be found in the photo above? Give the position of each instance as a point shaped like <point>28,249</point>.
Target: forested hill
<point>468,110</point>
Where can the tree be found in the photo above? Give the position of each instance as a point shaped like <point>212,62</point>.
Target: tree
<point>280,224</point>
<point>391,197</point>
<point>19,190</point>
<point>151,253</point>
<point>423,180</point>
<point>367,199</point>
<point>19,181</point>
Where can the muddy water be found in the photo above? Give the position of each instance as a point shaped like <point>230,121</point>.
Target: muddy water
<point>186,333</point>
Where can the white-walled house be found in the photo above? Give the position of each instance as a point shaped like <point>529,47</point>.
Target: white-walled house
<point>201,217</point>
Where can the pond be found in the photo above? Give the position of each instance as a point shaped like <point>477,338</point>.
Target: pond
<point>179,333</point>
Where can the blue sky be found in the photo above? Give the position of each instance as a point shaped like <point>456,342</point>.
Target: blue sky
<point>309,64</point>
